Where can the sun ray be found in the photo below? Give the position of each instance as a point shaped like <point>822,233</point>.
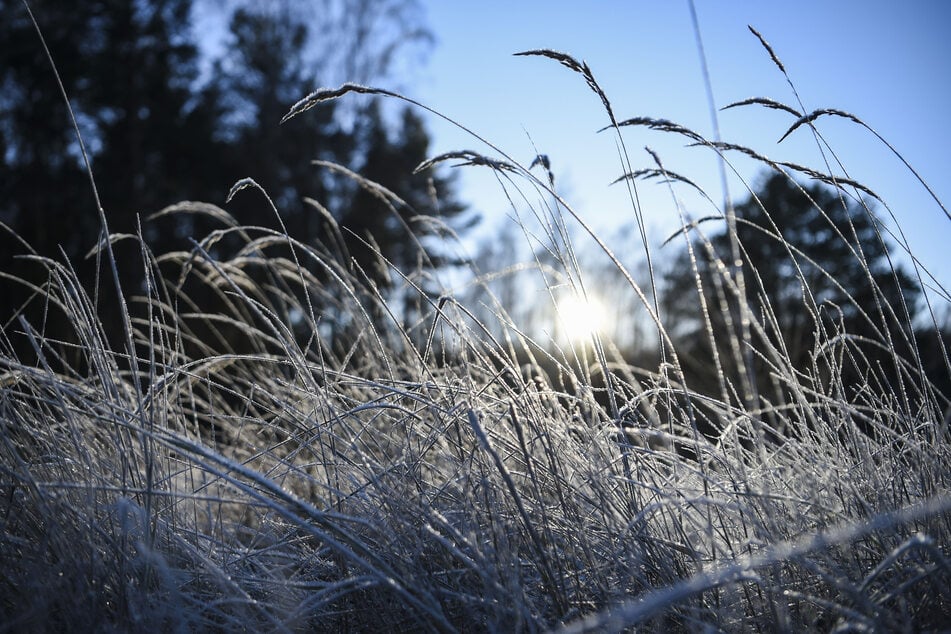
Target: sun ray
<point>579,317</point>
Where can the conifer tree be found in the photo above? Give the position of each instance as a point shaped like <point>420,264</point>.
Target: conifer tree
<point>816,267</point>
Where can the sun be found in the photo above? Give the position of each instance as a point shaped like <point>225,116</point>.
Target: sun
<point>579,318</point>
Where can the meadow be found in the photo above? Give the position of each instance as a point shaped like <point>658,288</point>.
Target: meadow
<point>311,455</point>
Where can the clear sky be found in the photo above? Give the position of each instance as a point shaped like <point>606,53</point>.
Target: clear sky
<point>888,63</point>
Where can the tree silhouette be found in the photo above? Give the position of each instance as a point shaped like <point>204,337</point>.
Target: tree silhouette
<point>816,269</point>
<point>130,70</point>
<point>399,226</point>
<point>158,132</point>
<point>260,78</point>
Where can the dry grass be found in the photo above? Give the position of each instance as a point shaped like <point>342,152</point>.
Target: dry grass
<point>280,449</point>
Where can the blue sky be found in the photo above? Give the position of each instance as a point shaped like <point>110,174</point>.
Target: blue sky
<point>885,62</point>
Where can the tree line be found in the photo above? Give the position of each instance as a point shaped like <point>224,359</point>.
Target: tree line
<point>166,117</point>
<point>825,306</point>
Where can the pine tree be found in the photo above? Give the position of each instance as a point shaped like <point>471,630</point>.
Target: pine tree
<point>130,70</point>
<point>815,267</point>
<point>400,230</point>
<point>156,135</point>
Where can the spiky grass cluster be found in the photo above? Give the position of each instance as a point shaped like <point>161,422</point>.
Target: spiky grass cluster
<point>421,471</point>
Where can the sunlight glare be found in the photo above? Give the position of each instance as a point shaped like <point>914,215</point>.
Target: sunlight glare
<point>580,318</point>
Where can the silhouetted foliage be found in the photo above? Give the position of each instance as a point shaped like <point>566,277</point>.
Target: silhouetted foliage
<point>159,132</point>
<point>259,77</point>
<point>423,205</point>
<point>821,287</point>
<point>130,70</point>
